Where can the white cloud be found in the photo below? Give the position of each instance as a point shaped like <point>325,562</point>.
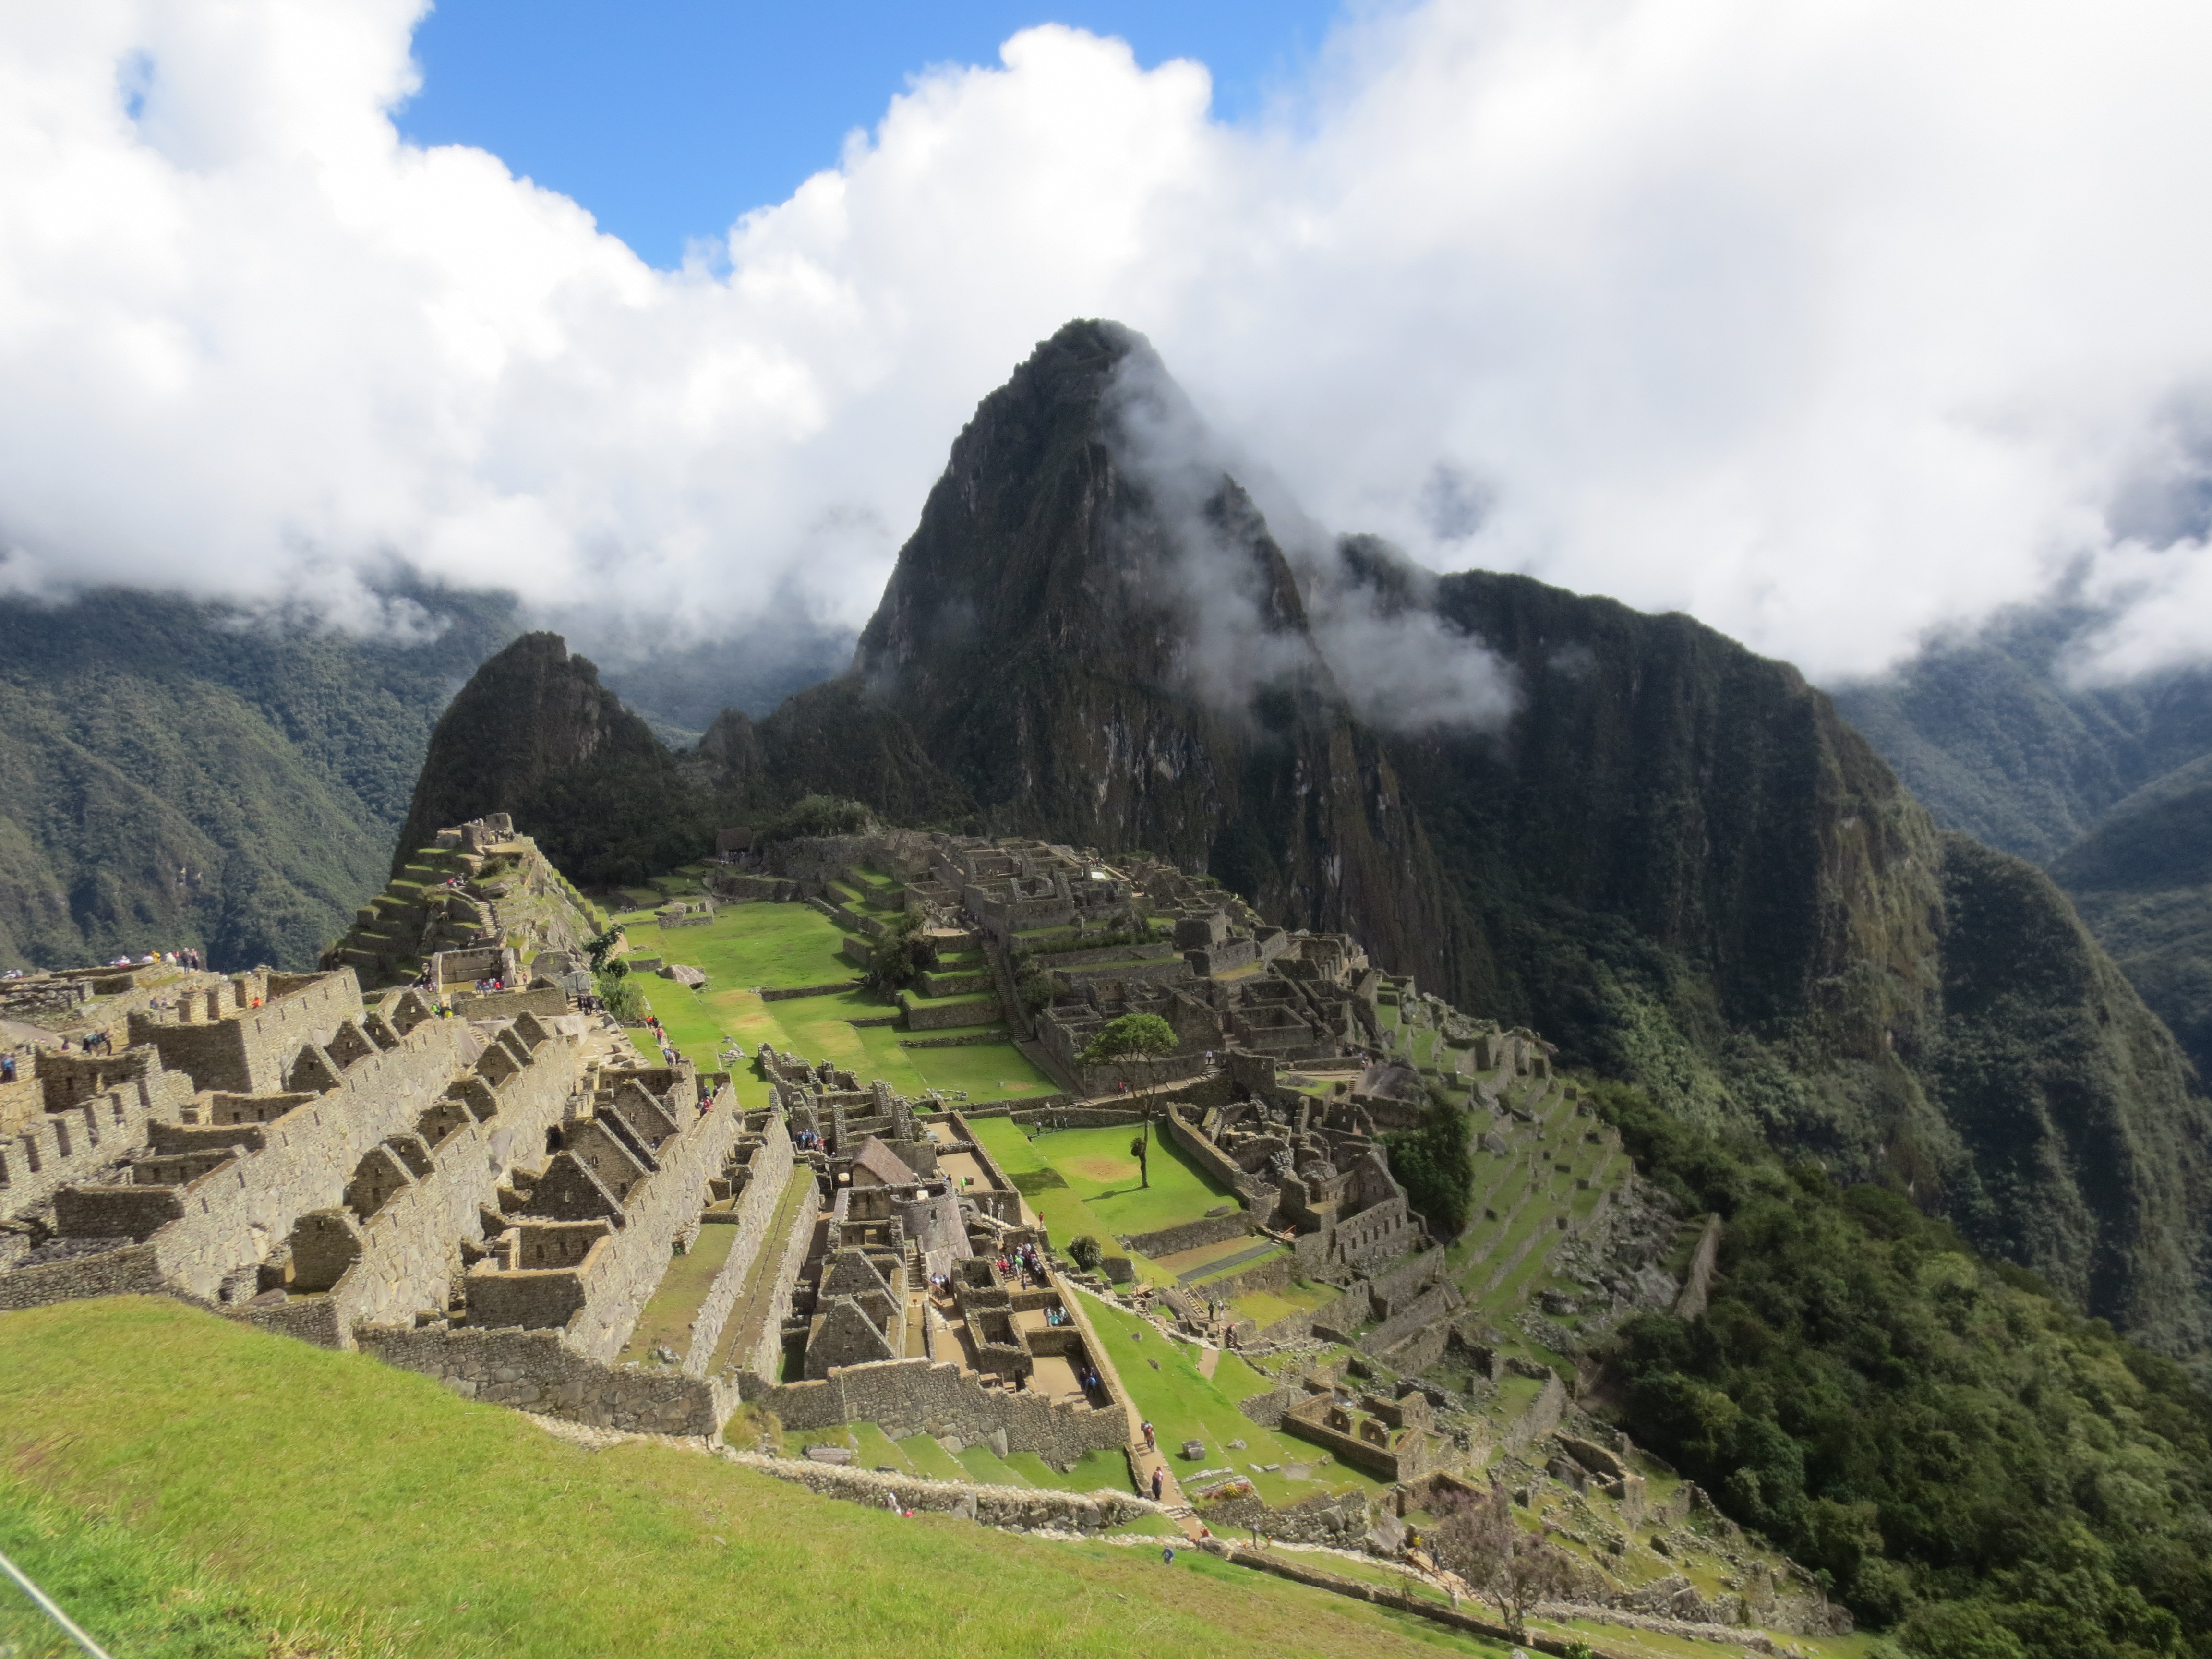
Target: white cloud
<point>1826,322</point>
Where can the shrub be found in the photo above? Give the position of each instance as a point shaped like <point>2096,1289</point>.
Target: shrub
<point>1086,1252</point>
<point>622,997</point>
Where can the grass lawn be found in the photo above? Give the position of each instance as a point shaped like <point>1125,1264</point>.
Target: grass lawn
<point>820,1028</point>
<point>1269,1306</point>
<point>1097,1165</point>
<point>1184,1405</point>
<point>786,946</point>
<point>392,1518</point>
<point>778,945</point>
<point>988,1071</point>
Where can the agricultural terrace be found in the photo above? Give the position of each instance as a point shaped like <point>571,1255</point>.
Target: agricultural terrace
<point>750,947</point>
<point>1190,1394</point>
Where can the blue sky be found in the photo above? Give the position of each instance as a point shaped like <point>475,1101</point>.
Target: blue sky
<point>669,119</point>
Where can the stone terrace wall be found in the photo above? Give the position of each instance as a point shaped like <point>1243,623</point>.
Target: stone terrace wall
<point>922,1396</point>
<point>131,1270</point>
<point>1022,1507</point>
<point>661,1208</point>
<point>756,1209</point>
<point>309,1156</point>
<point>767,1357</point>
<point>1258,1194</point>
<point>1190,1235</point>
<point>537,1372</point>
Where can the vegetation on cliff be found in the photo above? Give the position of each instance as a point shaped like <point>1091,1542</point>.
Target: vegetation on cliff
<point>1956,1450</point>
<point>2105,784</point>
<point>535,735</point>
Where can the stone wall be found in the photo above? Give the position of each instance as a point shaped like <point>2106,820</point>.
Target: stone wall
<point>1541,1417</point>
<point>506,1004</point>
<point>947,1015</point>
<point>922,1396</point>
<point>408,1246</point>
<point>1190,1235</point>
<point>535,1370</point>
<point>1698,1283</point>
<point>128,1271</point>
<point>658,1211</point>
<point>1022,1507</point>
<point>246,1053</point>
<point>1259,1194</point>
<point>309,1156</point>
<point>57,1148</point>
<point>793,992</point>
<point>767,1357</point>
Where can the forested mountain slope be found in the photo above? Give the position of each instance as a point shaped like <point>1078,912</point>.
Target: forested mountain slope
<point>174,773</point>
<point>2105,784</point>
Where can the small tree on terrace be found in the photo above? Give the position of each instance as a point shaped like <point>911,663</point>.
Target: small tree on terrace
<point>1507,1565</point>
<point>900,953</point>
<point>1125,1043</point>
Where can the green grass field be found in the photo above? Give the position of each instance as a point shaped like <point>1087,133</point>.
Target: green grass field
<point>777,945</point>
<point>785,947</point>
<point>1269,1306</point>
<point>195,1487</point>
<point>1098,1167</point>
<point>1183,1405</point>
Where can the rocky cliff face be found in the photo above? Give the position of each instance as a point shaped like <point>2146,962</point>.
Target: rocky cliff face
<point>1670,855</point>
<point>1071,648</point>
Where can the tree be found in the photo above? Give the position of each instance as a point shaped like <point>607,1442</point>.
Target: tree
<point>620,997</point>
<point>1504,1563</point>
<point>1433,1164</point>
<point>899,952</point>
<point>1131,1038</point>
<point>1086,1252</point>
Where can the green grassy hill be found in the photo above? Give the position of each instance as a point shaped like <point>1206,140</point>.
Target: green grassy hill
<point>195,1487</point>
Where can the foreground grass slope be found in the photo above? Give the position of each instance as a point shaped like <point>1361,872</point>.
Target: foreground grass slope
<point>246,1482</point>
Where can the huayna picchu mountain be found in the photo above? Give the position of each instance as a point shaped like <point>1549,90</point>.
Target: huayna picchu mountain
<point>1667,853</point>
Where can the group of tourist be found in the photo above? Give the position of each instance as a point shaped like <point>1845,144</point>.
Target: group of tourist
<point>1027,1264</point>
<point>808,1140</point>
<point>187,957</point>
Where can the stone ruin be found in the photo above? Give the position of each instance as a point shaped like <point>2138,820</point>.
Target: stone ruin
<point>924,1296</point>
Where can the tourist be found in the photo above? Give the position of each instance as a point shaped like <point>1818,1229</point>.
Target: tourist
<point>1152,1440</point>
<point>7,1069</point>
<point>1160,1485</point>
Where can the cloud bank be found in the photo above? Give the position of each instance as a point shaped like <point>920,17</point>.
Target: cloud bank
<point>1827,323</point>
